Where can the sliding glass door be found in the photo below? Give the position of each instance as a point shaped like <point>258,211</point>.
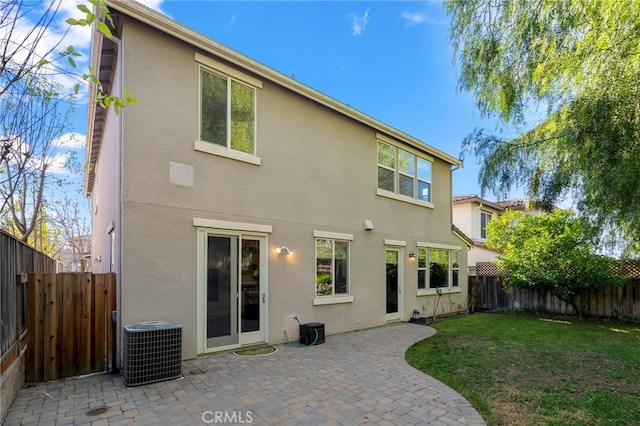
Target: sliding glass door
<point>235,298</point>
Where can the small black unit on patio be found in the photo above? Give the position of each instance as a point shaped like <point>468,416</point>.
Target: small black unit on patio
<point>311,333</point>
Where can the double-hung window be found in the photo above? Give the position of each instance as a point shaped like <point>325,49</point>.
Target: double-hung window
<point>332,267</point>
<point>485,218</point>
<point>438,268</point>
<point>404,173</point>
<point>227,112</point>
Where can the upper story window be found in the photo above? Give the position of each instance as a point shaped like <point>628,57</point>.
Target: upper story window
<point>404,173</point>
<point>227,112</point>
<point>485,218</point>
<point>438,268</point>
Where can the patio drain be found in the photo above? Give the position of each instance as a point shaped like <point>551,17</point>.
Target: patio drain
<point>97,411</point>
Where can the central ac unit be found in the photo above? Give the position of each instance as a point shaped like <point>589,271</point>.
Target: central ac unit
<point>152,352</point>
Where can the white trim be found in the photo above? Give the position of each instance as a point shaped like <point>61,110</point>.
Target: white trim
<point>200,290</point>
<point>235,226</point>
<point>433,292</point>
<point>232,72</point>
<point>259,336</point>
<point>332,300</point>
<point>397,316</point>
<point>403,146</point>
<point>223,151</point>
<point>333,235</point>
<point>404,198</point>
<point>439,246</point>
<point>397,243</point>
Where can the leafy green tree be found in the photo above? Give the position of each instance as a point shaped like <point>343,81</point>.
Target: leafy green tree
<point>550,252</point>
<point>578,60</point>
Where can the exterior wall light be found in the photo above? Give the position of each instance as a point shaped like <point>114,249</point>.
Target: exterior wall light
<point>283,248</point>
<point>412,256</point>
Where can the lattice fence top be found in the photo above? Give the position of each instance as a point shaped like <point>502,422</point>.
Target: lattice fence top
<point>630,268</point>
<point>486,269</point>
<point>627,268</point>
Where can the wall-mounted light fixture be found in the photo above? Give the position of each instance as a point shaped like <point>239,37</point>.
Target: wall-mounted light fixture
<point>412,256</point>
<point>283,248</point>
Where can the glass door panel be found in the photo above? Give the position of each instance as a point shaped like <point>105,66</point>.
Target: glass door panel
<point>393,288</point>
<point>222,291</point>
<point>250,286</point>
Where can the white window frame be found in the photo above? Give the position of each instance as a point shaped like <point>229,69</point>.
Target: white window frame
<point>426,248</point>
<point>230,74</point>
<point>395,194</point>
<point>333,298</point>
<point>483,229</point>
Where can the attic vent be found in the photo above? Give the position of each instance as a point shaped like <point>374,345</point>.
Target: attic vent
<point>152,352</point>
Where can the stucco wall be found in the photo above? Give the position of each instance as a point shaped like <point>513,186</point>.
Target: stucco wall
<point>463,218</point>
<point>318,172</point>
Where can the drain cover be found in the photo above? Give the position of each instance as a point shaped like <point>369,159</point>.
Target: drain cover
<point>97,411</point>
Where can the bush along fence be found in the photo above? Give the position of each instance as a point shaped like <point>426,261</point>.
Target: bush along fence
<point>486,292</point>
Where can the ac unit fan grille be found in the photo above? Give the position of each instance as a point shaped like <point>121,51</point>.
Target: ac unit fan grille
<point>153,352</point>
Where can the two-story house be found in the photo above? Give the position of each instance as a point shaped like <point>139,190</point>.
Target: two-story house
<point>471,214</point>
<point>232,199</point>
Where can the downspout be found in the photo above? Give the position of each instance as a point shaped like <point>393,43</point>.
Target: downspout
<point>119,230</point>
<point>459,166</point>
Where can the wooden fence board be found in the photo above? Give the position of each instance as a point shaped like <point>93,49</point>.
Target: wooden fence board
<point>613,302</point>
<point>84,332</point>
<point>70,331</point>
<point>50,327</point>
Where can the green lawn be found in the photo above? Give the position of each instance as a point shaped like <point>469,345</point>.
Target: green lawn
<point>524,370</point>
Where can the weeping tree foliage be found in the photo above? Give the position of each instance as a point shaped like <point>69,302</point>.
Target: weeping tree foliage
<point>551,252</point>
<point>576,61</point>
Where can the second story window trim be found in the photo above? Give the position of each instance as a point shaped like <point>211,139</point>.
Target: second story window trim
<point>485,218</point>
<point>227,112</point>
<point>403,173</point>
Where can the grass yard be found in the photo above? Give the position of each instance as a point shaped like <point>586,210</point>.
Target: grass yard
<point>518,369</point>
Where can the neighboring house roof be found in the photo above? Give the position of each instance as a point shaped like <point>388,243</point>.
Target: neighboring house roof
<point>510,204</point>
<point>188,35</point>
<point>470,243</point>
<point>513,204</point>
<point>526,204</point>
<point>461,199</point>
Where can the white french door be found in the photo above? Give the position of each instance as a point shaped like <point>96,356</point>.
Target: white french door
<point>232,290</point>
<point>394,283</point>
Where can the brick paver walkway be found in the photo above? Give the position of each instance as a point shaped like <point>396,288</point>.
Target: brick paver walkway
<point>353,378</point>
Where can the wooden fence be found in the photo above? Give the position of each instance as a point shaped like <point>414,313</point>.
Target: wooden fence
<point>486,293</point>
<point>16,258</point>
<point>70,327</point>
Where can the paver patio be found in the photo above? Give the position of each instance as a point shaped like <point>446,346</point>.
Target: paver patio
<point>353,378</point>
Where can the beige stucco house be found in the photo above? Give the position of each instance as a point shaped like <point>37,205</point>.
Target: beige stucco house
<point>232,199</point>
